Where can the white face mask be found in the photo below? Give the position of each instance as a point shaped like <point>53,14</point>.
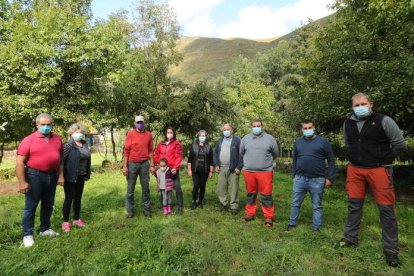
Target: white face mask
<point>77,136</point>
<point>163,169</point>
<point>170,136</point>
<point>361,111</point>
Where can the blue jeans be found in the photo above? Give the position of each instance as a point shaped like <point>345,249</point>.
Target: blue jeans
<point>42,187</point>
<point>315,187</point>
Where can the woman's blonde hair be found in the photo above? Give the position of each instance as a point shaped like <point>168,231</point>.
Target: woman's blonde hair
<point>75,127</point>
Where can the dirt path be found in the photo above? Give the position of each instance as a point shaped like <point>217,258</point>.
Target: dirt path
<point>7,189</point>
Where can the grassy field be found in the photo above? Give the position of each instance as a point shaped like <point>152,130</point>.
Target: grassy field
<point>202,241</point>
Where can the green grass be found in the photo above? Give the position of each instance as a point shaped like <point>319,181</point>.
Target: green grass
<point>7,163</point>
<point>202,241</point>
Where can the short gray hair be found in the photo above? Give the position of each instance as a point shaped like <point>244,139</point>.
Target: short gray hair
<point>75,127</point>
<point>201,131</point>
<point>361,95</point>
<point>43,115</point>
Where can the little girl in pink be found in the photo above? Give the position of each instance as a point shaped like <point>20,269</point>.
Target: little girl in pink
<point>165,185</point>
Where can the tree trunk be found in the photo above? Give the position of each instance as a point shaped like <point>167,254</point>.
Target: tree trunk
<point>1,152</point>
<point>106,147</point>
<point>113,143</point>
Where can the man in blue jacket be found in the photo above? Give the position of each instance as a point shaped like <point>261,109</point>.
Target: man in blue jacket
<point>309,155</point>
<point>227,163</point>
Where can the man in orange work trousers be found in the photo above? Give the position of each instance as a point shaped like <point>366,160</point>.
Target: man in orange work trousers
<point>258,150</point>
<point>373,141</point>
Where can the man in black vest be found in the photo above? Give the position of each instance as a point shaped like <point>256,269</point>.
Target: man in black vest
<point>373,141</point>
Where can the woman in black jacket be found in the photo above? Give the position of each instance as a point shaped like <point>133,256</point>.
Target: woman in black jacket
<point>200,167</point>
<point>76,161</point>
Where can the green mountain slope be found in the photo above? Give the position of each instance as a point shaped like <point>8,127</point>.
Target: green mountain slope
<point>208,58</point>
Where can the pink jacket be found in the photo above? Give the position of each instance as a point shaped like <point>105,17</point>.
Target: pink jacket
<point>169,182</point>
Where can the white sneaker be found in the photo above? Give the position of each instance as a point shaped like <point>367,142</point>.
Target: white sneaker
<point>49,232</point>
<point>28,241</point>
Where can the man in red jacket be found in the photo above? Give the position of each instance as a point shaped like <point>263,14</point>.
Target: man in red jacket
<point>138,160</point>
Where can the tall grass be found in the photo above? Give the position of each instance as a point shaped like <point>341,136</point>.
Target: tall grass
<point>202,241</point>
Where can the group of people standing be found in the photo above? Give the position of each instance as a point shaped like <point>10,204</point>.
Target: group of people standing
<point>372,140</point>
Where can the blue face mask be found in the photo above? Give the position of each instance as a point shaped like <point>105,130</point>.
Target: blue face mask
<point>77,136</point>
<point>202,139</point>
<point>226,133</point>
<point>361,111</point>
<point>257,130</point>
<point>308,132</point>
<point>45,129</point>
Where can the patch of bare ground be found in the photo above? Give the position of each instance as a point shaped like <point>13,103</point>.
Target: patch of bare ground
<point>7,189</point>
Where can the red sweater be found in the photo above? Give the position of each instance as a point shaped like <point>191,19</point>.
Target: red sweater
<point>138,146</point>
<point>173,152</point>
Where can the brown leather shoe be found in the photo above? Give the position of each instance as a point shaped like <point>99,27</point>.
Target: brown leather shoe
<point>268,223</point>
<point>247,218</point>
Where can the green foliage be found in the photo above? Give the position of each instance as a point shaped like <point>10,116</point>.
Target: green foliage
<point>367,48</point>
<point>249,97</point>
<point>121,81</point>
<point>202,107</point>
<point>43,62</point>
<point>54,59</point>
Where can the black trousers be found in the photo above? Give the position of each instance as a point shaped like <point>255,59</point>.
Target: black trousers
<point>73,195</point>
<point>199,185</point>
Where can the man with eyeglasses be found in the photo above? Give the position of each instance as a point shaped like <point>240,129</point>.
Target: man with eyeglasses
<point>258,151</point>
<point>37,169</point>
<point>373,141</point>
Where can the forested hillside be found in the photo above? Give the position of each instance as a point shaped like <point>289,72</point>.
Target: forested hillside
<point>208,58</point>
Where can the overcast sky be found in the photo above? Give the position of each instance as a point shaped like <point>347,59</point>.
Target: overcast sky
<point>253,19</point>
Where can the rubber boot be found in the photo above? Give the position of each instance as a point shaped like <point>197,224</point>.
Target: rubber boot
<point>180,203</point>
<point>193,205</point>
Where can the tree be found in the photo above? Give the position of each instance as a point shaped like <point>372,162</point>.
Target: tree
<point>201,107</point>
<point>249,97</point>
<point>368,47</point>
<point>43,61</point>
<point>156,33</point>
<point>34,49</point>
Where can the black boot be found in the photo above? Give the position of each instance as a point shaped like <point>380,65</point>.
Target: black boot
<point>200,204</point>
<point>391,257</point>
<point>180,204</point>
<point>180,210</point>
<point>193,205</point>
